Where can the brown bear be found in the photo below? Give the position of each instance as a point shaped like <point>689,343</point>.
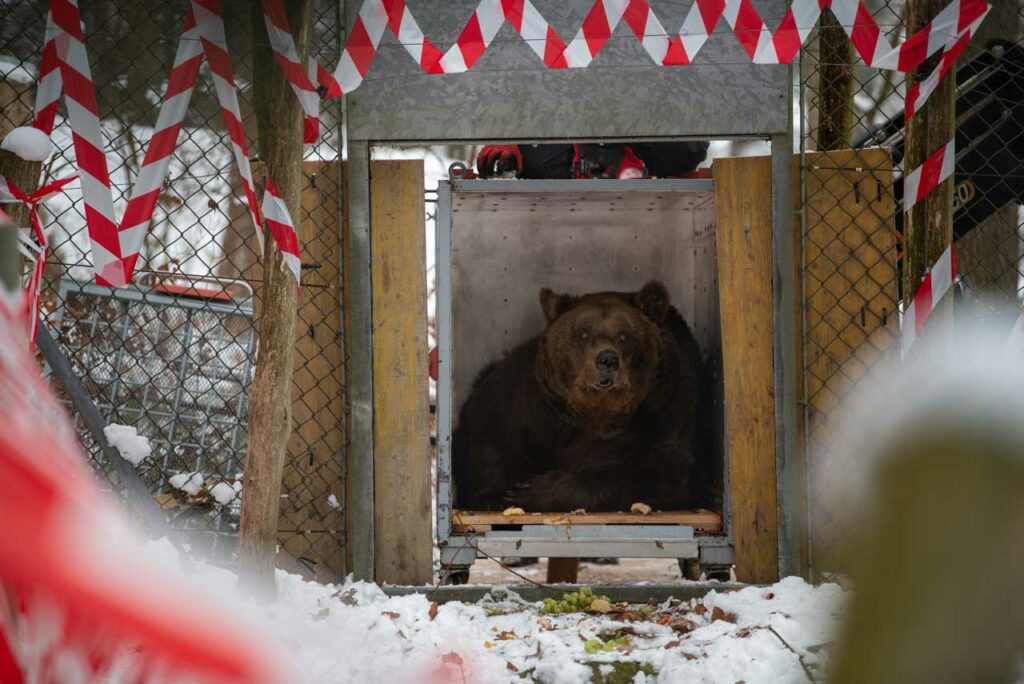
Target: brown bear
<point>598,412</point>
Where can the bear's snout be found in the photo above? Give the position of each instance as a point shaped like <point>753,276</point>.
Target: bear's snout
<point>607,360</point>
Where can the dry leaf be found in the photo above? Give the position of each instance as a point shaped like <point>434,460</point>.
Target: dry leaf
<point>488,644</point>
<point>743,633</point>
<point>391,614</point>
<point>641,508</point>
<point>510,667</point>
<point>700,609</point>
<point>673,644</point>
<point>545,623</point>
<point>689,656</point>
<point>600,606</point>
<point>681,625</point>
<point>719,614</point>
<point>514,510</point>
<point>506,636</point>
<point>432,611</point>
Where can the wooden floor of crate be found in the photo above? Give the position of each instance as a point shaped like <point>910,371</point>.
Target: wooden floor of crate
<point>484,521</point>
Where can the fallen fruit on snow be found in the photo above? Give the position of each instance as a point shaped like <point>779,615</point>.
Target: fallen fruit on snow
<point>514,510</point>
<point>600,605</point>
<point>641,508</point>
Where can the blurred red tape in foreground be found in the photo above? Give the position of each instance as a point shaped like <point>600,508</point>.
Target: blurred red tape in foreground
<point>76,603</point>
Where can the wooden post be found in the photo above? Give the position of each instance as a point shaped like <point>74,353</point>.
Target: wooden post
<point>928,229</point>
<point>280,121</point>
<point>401,432</point>
<point>835,85</point>
<point>24,174</point>
<point>743,211</point>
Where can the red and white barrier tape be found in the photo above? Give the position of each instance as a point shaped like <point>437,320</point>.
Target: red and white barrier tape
<point>279,222</point>
<point>297,74</point>
<point>922,90</point>
<point>937,282</point>
<point>35,250</point>
<point>925,178</point>
<point>115,247</point>
<point>211,33</point>
<point>958,19</point>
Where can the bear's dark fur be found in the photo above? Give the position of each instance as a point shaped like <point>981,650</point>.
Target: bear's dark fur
<point>598,412</point>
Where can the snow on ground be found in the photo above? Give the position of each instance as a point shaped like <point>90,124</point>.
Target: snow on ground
<point>190,483</point>
<point>355,633</point>
<point>132,446</point>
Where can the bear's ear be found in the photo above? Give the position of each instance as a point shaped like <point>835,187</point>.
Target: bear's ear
<point>554,305</point>
<point>653,300</point>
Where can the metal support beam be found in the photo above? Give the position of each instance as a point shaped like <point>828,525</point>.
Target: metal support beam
<point>359,336</point>
<point>135,489</point>
<point>785,355</point>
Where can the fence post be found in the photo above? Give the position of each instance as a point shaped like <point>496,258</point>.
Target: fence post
<point>279,121</point>
<point>835,84</point>
<point>928,228</point>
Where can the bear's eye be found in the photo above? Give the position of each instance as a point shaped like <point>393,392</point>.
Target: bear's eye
<point>583,333</point>
<point>624,336</point>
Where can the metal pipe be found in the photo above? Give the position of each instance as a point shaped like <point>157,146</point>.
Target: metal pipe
<point>135,488</point>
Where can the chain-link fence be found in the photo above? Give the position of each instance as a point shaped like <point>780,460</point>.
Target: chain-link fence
<point>173,353</point>
<point>853,225</point>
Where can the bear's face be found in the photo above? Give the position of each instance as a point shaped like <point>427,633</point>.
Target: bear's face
<point>601,352</point>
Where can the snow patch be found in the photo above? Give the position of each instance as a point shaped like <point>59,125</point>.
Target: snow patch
<point>16,71</point>
<point>224,493</point>
<point>29,143</point>
<point>132,446</point>
<point>190,483</point>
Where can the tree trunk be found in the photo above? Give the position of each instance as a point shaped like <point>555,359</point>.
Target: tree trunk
<point>835,85</point>
<point>24,174</point>
<point>929,226</point>
<point>279,120</point>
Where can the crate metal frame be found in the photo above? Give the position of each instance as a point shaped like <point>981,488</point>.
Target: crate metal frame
<point>459,550</point>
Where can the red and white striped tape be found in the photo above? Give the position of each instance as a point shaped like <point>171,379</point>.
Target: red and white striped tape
<point>279,223</point>
<point>283,46</point>
<point>211,33</point>
<point>147,186</point>
<point>959,18</point>
<point>937,282</point>
<point>922,90</point>
<point>64,39</point>
<point>929,175</point>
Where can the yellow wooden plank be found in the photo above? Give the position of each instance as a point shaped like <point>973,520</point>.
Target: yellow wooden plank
<point>744,223</point>
<point>313,468</point>
<point>400,401</point>
<point>701,519</point>
<point>851,298</point>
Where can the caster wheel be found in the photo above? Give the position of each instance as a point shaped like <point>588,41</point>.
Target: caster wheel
<point>455,576</point>
<point>690,568</point>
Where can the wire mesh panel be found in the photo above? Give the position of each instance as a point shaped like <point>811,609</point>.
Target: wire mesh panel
<point>173,353</point>
<point>853,281</point>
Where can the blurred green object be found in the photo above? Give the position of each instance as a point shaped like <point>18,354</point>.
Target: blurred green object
<point>937,572</point>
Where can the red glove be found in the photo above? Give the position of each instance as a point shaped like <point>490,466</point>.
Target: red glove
<point>432,365</point>
<point>495,160</point>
